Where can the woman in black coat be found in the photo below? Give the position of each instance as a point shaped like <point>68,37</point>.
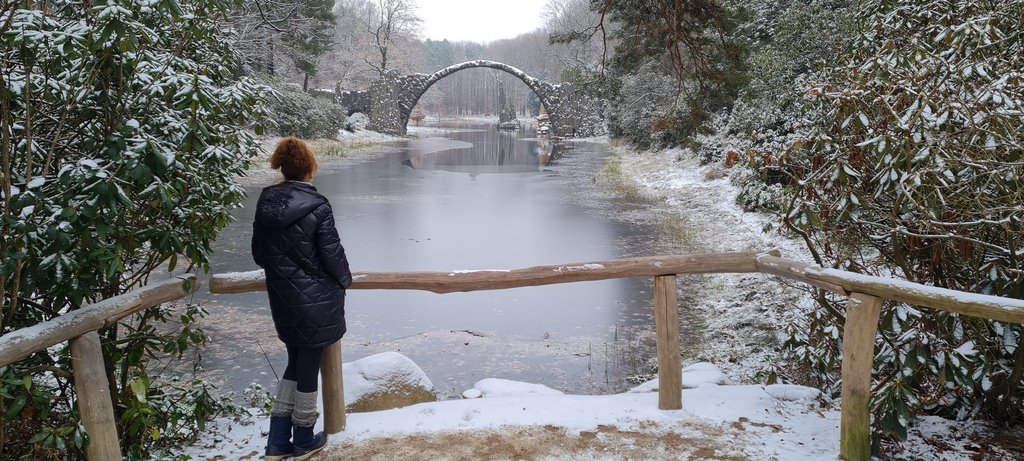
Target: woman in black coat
<point>296,243</point>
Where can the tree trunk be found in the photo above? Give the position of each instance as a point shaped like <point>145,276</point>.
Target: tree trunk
<point>270,59</point>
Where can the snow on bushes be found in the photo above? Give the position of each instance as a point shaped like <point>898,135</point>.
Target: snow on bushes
<point>123,130</point>
<point>914,171</point>
<point>296,113</point>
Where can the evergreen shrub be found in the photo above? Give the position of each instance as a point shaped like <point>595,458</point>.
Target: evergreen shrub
<point>296,113</point>
<point>914,171</point>
<point>122,133</point>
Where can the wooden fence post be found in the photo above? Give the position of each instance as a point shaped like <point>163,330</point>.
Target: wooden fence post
<point>862,313</point>
<point>666,325</point>
<point>334,389</point>
<point>94,402</point>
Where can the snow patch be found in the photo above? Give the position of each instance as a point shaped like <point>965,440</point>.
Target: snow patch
<point>793,393</point>
<point>497,388</point>
<point>249,276</point>
<point>701,374</point>
<point>471,271</point>
<point>583,267</point>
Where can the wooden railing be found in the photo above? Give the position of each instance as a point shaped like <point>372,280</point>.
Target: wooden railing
<point>866,295</point>
<point>80,327</point>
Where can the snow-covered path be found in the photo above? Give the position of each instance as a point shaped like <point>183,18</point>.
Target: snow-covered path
<point>739,315</point>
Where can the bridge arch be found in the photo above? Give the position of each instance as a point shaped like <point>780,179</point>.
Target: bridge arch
<point>390,100</point>
<point>543,90</point>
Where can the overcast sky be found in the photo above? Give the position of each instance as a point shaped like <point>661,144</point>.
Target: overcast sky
<point>478,20</point>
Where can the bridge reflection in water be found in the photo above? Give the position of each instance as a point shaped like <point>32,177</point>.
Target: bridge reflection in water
<point>483,150</point>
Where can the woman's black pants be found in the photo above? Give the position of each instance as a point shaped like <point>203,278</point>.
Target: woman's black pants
<point>304,367</point>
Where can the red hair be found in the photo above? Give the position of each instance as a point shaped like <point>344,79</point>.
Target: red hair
<point>294,158</point>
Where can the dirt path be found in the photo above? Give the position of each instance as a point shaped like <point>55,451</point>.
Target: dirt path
<point>546,443</point>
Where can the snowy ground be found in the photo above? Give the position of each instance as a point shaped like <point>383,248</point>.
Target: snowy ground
<point>513,420</point>
<point>728,422</point>
<point>738,317</point>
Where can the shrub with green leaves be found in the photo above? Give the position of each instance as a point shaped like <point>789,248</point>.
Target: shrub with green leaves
<point>296,113</point>
<point>122,130</point>
<point>915,171</point>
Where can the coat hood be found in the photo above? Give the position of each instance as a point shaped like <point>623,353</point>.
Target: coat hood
<point>282,204</point>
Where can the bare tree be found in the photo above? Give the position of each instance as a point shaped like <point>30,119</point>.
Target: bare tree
<point>264,31</point>
<point>370,38</point>
<point>577,33</point>
<point>388,23</point>
<point>344,65</point>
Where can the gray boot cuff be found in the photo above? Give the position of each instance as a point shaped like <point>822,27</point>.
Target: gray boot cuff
<point>305,414</point>
<point>285,403</point>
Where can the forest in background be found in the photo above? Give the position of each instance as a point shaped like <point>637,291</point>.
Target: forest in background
<point>370,37</point>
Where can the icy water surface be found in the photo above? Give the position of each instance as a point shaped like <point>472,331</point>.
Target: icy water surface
<point>471,198</point>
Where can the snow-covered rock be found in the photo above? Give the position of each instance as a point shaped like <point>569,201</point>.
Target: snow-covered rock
<point>793,393</point>
<point>384,381</point>
<point>701,374</point>
<point>497,387</point>
<point>358,121</point>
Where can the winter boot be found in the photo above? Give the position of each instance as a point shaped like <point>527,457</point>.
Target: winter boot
<point>279,440</point>
<point>279,443</point>
<point>304,443</point>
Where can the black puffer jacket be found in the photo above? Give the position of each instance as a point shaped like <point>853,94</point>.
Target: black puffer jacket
<point>294,240</point>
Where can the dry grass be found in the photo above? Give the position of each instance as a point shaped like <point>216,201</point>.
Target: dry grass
<point>677,226</point>
<point>618,182</point>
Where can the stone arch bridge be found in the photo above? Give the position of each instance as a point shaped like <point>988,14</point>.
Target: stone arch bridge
<point>572,112</point>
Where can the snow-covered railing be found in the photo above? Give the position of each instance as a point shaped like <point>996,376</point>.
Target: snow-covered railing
<point>79,328</point>
<point>866,295</point>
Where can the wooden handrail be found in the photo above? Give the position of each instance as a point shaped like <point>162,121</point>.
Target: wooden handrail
<point>794,270</point>
<point>492,279</point>
<point>78,327</point>
<point>22,343</point>
<point>837,281</point>
<point>943,299</point>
